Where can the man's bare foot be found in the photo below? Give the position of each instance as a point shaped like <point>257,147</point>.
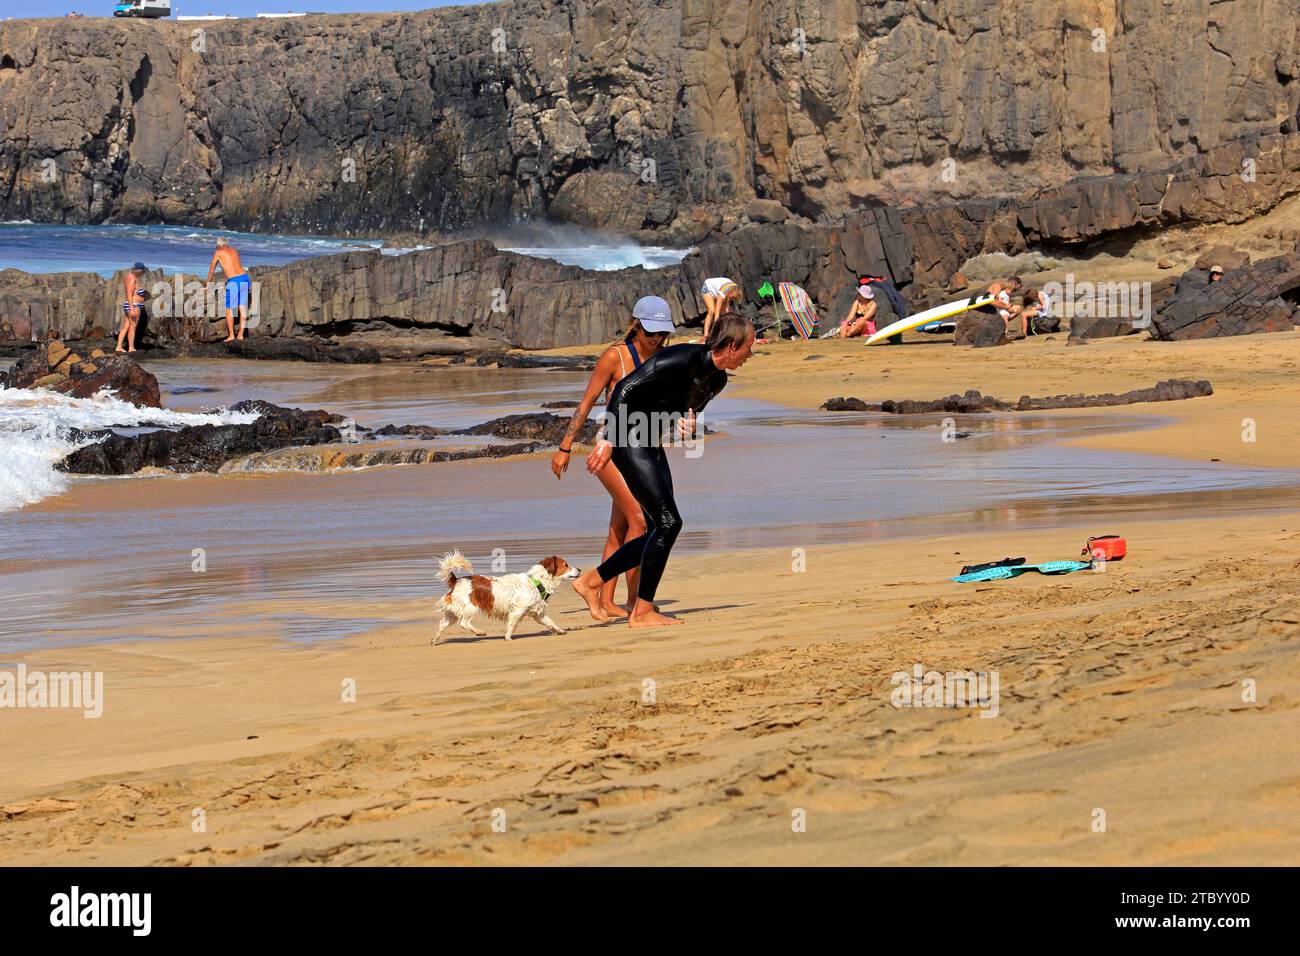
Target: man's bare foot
<point>650,619</point>
<point>590,593</point>
<point>241,336</point>
<point>130,350</point>
<point>230,339</point>
<point>122,350</point>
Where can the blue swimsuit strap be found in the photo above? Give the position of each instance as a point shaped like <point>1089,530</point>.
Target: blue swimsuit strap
<point>631,350</point>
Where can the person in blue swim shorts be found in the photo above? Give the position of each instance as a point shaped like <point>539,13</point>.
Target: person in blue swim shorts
<point>237,286</point>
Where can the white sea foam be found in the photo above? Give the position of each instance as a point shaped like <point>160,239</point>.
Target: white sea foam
<point>579,246</point>
<point>37,430</point>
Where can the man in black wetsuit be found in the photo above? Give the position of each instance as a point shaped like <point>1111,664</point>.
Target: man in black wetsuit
<point>664,394</point>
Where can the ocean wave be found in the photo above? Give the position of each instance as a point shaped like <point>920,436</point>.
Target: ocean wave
<point>605,258</point>
<point>39,428</point>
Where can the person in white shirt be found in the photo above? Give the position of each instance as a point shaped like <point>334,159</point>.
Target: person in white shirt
<point>1036,308</point>
<point>719,295</point>
<point>1002,291</point>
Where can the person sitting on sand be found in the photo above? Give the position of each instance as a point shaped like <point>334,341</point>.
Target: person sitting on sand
<point>1036,313</point>
<point>719,294</point>
<point>676,384</point>
<point>861,319</point>
<point>1002,290</point>
<point>652,322</point>
<point>237,285</point>
<point>132,306</point>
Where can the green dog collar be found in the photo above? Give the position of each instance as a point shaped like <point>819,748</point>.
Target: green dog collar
<point>540,590</point>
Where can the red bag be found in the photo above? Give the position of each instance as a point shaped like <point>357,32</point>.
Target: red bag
<point>1106,547</point>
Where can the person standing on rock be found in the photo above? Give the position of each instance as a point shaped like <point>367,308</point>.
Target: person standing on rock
<point>674,386</point>
<point>132,306</point>
<point>237,285</point>
<point>652,322</point>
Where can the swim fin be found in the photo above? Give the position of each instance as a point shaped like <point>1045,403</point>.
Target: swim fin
<point>1001,573</point>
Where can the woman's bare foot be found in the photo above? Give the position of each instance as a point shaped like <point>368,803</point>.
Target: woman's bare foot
<point>651,618</point>
<point>230,339</point>
<point>122,351</point>
<point>614,610</point>
<point>590,593</point>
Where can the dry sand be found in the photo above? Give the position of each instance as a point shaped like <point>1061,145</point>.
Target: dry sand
<point>1120,691</point>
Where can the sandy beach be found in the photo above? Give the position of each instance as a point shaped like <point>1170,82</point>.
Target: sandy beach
<point>1158,695</point>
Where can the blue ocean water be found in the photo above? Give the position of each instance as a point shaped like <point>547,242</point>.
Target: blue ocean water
<point>106,249</point>
<point>41,248</point>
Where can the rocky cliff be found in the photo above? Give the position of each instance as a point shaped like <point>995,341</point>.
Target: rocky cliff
<point>470,290</point>
<point>622,113</point>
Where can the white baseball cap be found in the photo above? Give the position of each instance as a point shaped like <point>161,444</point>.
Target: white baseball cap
<point>654,314</point>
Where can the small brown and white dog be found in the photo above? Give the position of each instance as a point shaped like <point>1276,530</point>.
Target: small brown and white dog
<point>510,597</point>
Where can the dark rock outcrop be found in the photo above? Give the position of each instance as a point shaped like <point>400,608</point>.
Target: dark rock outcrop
<point>1249,300</point>
<point>300,350</point>
<point>562,363</point>
<point>204,447</point>
<point>1225,257</point>
<point>848,405</point>
<point>406,431</point>
<point>327,457</point>
<point>58,368</point>
<point>1171,390</point>
<point>1101,326</point>
<point>980,328</point>
<point>538,426</point>
<point>470,289</point>
<point>619,112</point>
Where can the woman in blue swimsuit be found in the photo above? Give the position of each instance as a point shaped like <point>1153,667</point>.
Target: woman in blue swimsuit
<point>651,324</point>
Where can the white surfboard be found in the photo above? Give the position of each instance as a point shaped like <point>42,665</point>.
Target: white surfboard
<point>929,315</point>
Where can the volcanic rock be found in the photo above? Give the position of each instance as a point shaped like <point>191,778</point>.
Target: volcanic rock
<point>69,375</point>
<point>474,114</point>
<point>1248,300</point>
<point>972,401</point>
<point>197,448</point>
<point>848,405</point>
<point>407,431</point>
<point>537,426</point>
<point>1226,256</point>
<point>980,329</point>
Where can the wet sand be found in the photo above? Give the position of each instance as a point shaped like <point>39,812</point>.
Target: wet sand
<point>1120,691</point>
<point>1255,377</point>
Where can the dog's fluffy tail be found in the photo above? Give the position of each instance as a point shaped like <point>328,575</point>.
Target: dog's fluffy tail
<point>449,564</point>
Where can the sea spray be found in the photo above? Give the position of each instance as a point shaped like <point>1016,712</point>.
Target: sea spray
<point>587,248</point>
<point>39,428</point>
